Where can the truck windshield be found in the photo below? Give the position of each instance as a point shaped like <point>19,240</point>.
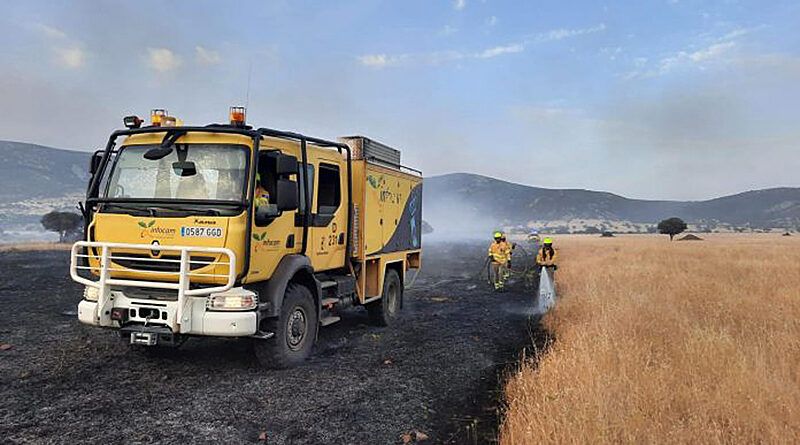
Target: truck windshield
<point>189,171</point>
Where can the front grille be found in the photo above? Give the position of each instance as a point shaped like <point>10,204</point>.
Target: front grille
<point>145,293</point>
<point>169,263</point>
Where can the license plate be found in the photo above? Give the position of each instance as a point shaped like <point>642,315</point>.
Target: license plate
<point>201,232</point>
<point>144,338</point>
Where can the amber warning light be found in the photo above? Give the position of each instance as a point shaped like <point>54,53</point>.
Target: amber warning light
<point>157,117</point>
<point>160,118</point>
<point>237,116</point>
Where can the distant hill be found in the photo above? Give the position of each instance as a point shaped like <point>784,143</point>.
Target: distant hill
<point>36,179</point>
<point>33,171</point>
<point>474,202</point>
<point>774,206</point>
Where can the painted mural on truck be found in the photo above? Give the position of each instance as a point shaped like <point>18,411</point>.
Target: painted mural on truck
<point>408,234</point>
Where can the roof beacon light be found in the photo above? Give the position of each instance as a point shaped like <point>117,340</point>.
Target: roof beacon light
<point>157,116</point>
<point>132,122</point>
<point>237,116</point>
<point>171,121</point>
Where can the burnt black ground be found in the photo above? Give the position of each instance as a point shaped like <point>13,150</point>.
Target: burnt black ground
<point>437,370</point>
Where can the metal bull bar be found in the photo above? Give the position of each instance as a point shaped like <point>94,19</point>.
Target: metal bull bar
<point>184,275</point>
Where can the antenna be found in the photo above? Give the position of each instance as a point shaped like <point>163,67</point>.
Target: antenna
<point>247,93</point>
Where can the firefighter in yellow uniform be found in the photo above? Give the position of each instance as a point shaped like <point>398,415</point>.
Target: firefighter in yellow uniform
<point>510,249</point>
<point>261,198</point>
<point>547,255</point>
<point>499,257</point>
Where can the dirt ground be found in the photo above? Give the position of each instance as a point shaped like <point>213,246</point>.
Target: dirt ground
<point>436,371</point>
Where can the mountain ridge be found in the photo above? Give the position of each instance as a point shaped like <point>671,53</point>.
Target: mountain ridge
<point>603,192</point>
<point>37,173</point>
<point>492,202</point>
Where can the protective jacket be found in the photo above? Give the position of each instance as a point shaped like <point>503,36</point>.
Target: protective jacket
<point>261,196</point>
<point>500,252</point>
<point>546,258</point>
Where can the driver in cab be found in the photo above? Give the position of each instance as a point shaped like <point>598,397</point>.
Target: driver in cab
<point>261,198</point>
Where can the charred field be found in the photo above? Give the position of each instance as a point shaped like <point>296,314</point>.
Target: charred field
<point>439,370</point>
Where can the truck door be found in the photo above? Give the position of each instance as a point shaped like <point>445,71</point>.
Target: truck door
<point>327,234</point>
<point>273,238</point>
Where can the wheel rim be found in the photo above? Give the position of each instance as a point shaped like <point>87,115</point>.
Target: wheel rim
<point>296,328</point>
<point>391,299</point>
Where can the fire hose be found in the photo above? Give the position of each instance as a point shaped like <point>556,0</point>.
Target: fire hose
<point>524,273</point>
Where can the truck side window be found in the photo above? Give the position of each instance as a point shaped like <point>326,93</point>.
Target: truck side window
<point>267,172</point>
<point>303,181</point>
<point>328,190</point>
<point>264,196</point>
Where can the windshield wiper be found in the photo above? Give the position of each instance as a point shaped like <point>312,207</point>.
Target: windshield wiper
<point>211,212</point>
<point>149,210</point>
<point>144,205</point>
<point>152,210</point>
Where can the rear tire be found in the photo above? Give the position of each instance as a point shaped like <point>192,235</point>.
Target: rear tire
<point>385,311</point>
<point>295,331</point>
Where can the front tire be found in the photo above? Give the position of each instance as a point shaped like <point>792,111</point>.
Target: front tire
<point>295,331</point>
<point>386,310</point>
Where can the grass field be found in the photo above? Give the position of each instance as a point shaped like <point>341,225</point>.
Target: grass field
<point>31,247</point>
<point>659,342</point>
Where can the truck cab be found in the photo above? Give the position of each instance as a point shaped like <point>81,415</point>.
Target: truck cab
<point>229,231</point>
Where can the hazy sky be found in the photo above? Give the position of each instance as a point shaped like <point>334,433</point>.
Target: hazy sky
<point>661,99</point>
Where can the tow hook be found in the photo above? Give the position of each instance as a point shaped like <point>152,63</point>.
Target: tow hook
<point>144,338</point>
<point>151,335</point>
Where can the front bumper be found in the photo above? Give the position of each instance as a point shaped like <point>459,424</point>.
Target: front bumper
<point>198,319</point>
<point>186,314</point>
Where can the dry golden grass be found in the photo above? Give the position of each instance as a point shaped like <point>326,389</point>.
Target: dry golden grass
<point>26,247</point>
<point>659,342</point>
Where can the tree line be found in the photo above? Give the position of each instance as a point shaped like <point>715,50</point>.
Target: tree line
<point>68,225</point>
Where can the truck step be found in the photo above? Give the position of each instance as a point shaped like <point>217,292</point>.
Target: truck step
<point>330,319</point>
<point>329,301</point>
<point>327,284</point>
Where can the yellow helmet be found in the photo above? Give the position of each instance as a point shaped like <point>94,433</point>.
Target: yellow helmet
<point>548,241</point>
<point>498,235</point>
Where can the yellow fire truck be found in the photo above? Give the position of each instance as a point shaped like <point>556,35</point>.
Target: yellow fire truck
<point>231,231</point>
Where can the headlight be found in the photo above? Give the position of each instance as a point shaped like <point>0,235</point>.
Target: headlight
<point>232,302</point>
<point>90,293</point>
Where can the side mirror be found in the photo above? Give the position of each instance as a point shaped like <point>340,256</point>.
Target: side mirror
<point>286,195</point>
<point>286,165</point>
<point>265,214</point>
<point>94,163</point>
